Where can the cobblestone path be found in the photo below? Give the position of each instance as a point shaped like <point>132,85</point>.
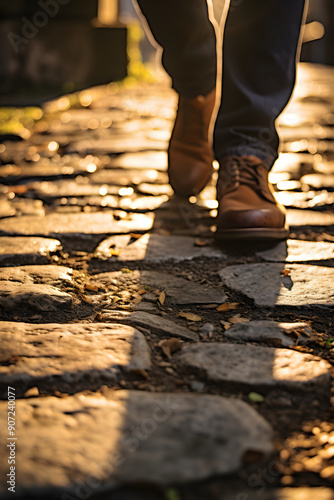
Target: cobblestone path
<point>146,362</point>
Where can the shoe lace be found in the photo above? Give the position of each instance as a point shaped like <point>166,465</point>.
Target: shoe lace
<point>240,170</point>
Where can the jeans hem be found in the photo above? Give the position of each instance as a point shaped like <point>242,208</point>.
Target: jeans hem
<point>267,157</point>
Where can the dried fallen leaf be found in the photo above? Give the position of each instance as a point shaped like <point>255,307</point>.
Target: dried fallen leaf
<point>293,333</point>
<point>226,325</point>
<point>115,251</point>
<point>168,346</point>
<point>201,242</point>
<point>141,373</point>
<point>91,288</point>
<point>36,316</point>
<point>286,272</point>
<point>20,189</point>
<point>145,386</point>
<point>165,364</point>
<point>238,319</point>
<point>136,236</point>
<point>163,232</point>
<point>142,291</point>
<point>88,300</point>
<point>137,300</point>
<point>301,348</point>
<point>179,382</point>
<point>162,298</point>
<point>33,391</point>
<point>228,306</point>
<point>190,316</point>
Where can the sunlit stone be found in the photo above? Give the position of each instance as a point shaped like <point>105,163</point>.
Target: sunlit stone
<point>126,191</point>
<point>249,367</point>
<point>46,352</point>
<point>265,284</point>
<point>288,185</point>
<point>132,437</point>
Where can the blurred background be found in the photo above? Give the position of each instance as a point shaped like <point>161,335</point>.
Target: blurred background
<point>50,47</point>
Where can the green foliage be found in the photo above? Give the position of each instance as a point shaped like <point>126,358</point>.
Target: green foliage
<point>172,494</point>
<point>15,120</point>
<point>255,397</point>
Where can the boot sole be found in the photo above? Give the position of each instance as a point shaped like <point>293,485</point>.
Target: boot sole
<point>253,234</point>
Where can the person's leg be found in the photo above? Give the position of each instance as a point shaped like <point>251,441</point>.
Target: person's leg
<point>259,65</point>
<point>183,29</point>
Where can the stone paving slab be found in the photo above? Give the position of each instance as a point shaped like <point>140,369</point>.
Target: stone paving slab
<point>291,163</point>
<point>299,251</point>
<point>257,368</point>
<point>158,248</point>
<point>157,324</point>
<point>13,174</point>
<point>155,128</point>
<point>154,189</point>
<point>325,167</point>
<point>265,284</point>
<point>300,493</point>
<point>270,332</point>
<point>46,275</point>
<point>38,287</point>
<point>6,208</point>
<point>26,206</point>
<point>74,223</point>
<point>103,182</point>
<point>131,437</point>
<point>133,203</point>
<point>322,147</point>
<point>306,199</point>
<point>290,134</point>
<point>128,177</point>
<point>17,250</point>
<point>143,203</point>
<point>43,298</point>
<point>178,290</point>
<point>69,188</point>
<point>43,353</point>
<point>318,181</point>
<point>146,307</point>
<point>309,218</point>
<point>308,114</point>
<point>117,144</point>
<point>145,159</point>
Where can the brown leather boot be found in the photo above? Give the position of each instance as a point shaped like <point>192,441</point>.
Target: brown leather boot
<point>247,207</point>
<point>190,154</point>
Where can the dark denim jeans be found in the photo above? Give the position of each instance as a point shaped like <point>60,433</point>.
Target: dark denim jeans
<point>260,48</point>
